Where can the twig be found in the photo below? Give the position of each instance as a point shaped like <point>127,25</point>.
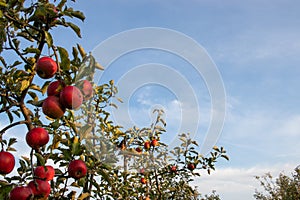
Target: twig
<point>12,125</point>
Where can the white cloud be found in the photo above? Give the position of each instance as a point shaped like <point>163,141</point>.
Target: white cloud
<point>238,183</point>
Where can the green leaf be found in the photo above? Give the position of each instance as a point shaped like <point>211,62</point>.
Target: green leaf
<point>40,159</point>
<point>81,50</point>
<point>48,38</point>
<point>24,85</point>
<point>33,96</point>
<point>78,15</point>
<point>16,43</point>
<point>2,4</point>
<point>225,156</point>
<point>64,57</point>
<point>76,149</point>
<point>75,28</point>
<point>16,63</point>
<point>36,103</point>
<point>61,4</point>
<point>17,113</point>
<point>12,141</point>
<point>32,50</point>
<point>10,116</point>
<point>5,191</point>
<point>45,87</point>
<point>75,53</point>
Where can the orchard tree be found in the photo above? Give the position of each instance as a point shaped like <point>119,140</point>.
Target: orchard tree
<point>284,187</point>
<point>77,152</point>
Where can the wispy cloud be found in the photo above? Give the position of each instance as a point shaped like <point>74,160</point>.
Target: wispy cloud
<point>238,183</point>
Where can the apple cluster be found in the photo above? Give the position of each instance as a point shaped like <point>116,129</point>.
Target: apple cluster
<point>61,96</point>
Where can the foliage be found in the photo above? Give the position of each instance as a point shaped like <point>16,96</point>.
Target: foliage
<point>115,167</point>
<point>212,196</point>
<point>282,188</point>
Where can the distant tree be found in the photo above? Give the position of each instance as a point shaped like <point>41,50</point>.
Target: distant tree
<point>282,188</point>
<point>213,196</point>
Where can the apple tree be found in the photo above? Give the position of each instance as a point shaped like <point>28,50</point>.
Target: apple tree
<point>76,150</point>
<point>282,187</point>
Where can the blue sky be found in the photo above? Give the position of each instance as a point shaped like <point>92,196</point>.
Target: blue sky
<point>256,47</point>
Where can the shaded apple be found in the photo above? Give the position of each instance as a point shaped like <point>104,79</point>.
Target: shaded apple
<point>173,168</point>
<point>77,169</point>
<point>139,149</point>
<point>7,162</point>
<point>46,67</point>
<point>143,180</point>
<point>154,143</point>
<point>55,87</point>
<point>40,188</point>
<point>86,88</point>
<point>191,166</point>
<point>44,172</point>
<point>53,108</point>
<point>21,193</point>
<point>147,145</point>
<point>71,97</point>
<point>37,137</point>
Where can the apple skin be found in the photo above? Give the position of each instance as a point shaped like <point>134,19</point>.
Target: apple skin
<point>40,188</point>
<point>143,180</point>
<point>7,162</point>
<point>139,149</point>
<point>77,169</point>
<point>21,193</point>
<point>55,88</point>
<point>37,137</point>
<point>173,169</point>
<point>46,67</point>
<point>86,88</point>
<point>53,108</point>
<point>154,143</point>
<point>147,145</point>
<point>44,172</point>
<point>71,97</point>
<point>191,166</point>
<point>142,171</point>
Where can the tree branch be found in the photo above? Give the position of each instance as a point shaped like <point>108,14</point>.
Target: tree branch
<point>12,125</point>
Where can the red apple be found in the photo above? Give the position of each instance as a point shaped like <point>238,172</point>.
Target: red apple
<point>44,172</point>
<point>173,168</point>
<point>77,169</point>
<point>46,67</point>
<point>142,171</point>
<point>21,193</point>
<point>71,97</point>
<point>7,162</point>
<point>154,143</point>
<point>53,108</point>
<point>86,88</point>
<point>139,149</point>
<point>40,188</point>
<point>147,145</point>
<point>55,88</point>
<point>143,180</point>
<point>191,166</point>
<point>37,137</point>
